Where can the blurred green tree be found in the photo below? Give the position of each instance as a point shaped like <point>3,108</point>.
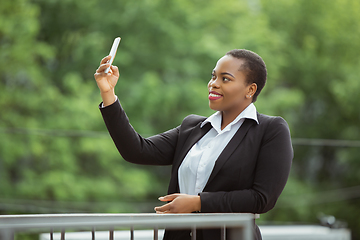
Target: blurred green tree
<point>320,48</point>
<point>54,146</point>
<point>166,56</point>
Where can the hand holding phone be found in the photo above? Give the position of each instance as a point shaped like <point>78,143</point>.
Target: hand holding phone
<point>113,52</point>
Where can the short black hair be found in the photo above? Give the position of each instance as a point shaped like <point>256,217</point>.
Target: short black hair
<point>254,66</point>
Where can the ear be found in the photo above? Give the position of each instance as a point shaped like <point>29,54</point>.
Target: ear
<point>251,90</point>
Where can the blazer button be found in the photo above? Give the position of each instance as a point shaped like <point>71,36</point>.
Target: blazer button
<point>190,234</point>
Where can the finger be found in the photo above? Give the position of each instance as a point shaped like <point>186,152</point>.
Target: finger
<point>105,59</point>
<point>99,75</point>
<point>163,208</point>
<point>102,67</point>
<point>169,197</point>
<point>115,70</point>
<point>158,212</point>
<point>163,199</point>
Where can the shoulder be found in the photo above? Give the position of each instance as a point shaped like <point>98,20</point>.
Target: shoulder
<point>190,123</point>
<point>270,120</point>
<point>193,120</point>
<point>273,126</point>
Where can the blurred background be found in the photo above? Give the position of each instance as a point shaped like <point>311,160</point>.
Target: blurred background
<point>56,155</point>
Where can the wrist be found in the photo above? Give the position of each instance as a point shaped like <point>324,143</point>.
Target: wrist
<point>108,97</point>
<point>197,203</point>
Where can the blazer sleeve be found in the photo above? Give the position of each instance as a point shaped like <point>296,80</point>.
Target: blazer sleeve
<point>271,172</point>
<point>155,150</point>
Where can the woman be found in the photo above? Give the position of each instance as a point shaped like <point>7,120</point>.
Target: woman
<point>236,160</point>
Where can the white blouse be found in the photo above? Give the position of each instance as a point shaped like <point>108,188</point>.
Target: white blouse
<point>195,170</point>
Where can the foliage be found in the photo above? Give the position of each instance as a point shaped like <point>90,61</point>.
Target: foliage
<point>321,63</point>
<point>54,149</point>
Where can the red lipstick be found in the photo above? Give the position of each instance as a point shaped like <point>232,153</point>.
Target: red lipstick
<point>214,95</point>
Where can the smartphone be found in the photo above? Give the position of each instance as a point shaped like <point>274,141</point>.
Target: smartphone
<point>113,52</point>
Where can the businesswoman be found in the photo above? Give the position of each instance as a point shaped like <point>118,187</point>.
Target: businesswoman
<point>236,160</point>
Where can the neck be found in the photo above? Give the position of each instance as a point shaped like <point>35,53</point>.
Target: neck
<point>229,116</point>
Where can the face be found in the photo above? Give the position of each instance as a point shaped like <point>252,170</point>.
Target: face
<point>228,89</point>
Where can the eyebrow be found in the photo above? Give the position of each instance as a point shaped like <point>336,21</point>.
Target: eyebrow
<point>224,73</point>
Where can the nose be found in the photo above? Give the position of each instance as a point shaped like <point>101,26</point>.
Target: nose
<point>213,83</point>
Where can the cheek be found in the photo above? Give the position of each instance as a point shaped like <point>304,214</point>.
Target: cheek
<point>236,94</point>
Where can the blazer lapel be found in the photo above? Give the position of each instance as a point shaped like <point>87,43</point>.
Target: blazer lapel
<point>230,148</point>
<point>196,134</point>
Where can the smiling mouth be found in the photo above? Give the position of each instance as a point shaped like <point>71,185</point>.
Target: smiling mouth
<point>214,96</point>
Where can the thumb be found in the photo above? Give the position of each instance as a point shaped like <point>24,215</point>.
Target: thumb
<point>168,197</point>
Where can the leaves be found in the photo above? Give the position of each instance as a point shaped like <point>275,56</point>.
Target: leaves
<point>54,145</point>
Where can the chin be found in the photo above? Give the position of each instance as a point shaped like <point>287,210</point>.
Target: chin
<point>213,108</point>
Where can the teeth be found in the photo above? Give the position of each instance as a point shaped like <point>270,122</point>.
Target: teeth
<point>214,95</point>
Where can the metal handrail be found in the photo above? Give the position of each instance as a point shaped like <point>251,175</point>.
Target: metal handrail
<point>240,225</point>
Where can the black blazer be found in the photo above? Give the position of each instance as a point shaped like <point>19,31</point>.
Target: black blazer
<point>248,176</point>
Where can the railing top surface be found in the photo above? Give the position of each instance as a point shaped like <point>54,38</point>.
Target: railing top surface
<point>150,220</point>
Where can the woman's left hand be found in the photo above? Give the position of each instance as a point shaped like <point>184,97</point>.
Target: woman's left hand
<point>179,203</point>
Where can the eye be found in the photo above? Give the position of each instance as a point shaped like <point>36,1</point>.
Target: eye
<point>225,79</point>
<point>213,76</point>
